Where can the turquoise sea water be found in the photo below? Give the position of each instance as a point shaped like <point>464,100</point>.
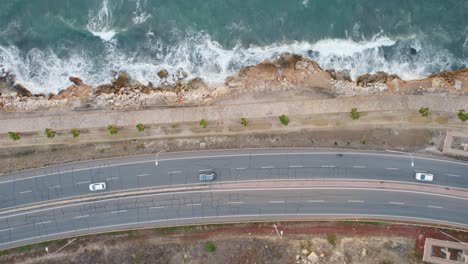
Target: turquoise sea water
<point>45,41</point>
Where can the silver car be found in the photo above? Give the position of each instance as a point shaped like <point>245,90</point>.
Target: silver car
<point>98,186</point>
<point>211,176</point>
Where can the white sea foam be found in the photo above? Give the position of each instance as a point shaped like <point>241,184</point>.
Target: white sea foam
<point>100,23</point>
<point>199,55</point>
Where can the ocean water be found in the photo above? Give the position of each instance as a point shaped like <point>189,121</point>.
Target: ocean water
<point>45,41</point>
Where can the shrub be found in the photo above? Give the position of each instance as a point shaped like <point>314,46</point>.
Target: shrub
<point>462,115</point>
<point>210,246</point>
<point>140,127</point>
<point>244,121</point>
<point>355,115</point>
<point>424,111</point>
<point>75,132</point>
<point>284,120</point>
<point>175,125</point>
<point>14,136</point>
<point>49,133</point>
<point>331,239</point>
<point>113,129</point>
<point>203,122</point>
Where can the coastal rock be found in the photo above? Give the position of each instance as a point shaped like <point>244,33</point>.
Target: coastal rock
<point>313,258</point>
<point>73,93</point>
<point>451,76</point>
<point>104,88</point>
<point>21,90</point>
<point>181,74</point>
<point>163,73</point>
<point>378,77</point>
<point>343,75</point>
<point>122,80</point>
<point>287,60</point>
<point>77,81</point>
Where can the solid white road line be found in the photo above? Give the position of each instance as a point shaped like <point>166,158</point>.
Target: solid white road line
<point>235,202</point>
<point>56,186</point>
<point>267,167</point>
<point>173,172</point>
<point>419,171</point>
<point>361,167</point>
<point>81,216</point>
<point>315,201</point>
<point>276,201</point>
<point>433,206</point>
<point>392,168</point>
<point>295,166</point>
<point>205,170</point>
<point>328,166</point>
<point>453,175</point>
<point>113,178</point>
<point>142,175</point>
<point>195,204</point>
<point>23,192</point>
<point>157,207</point>
<point>83,182</point>
<point>355,201</point>
<point>6,229</point>
<point>399,203</point>
<point>241,168</point>
<point>45,222</point>
<point>121,211</point>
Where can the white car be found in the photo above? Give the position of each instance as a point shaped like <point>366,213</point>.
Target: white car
<point>424,176</point>
<point>98,186</point>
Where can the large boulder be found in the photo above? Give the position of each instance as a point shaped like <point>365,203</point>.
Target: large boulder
<point>77,81</point>
<point>343,75</point>
<point>105,88</point>
<point>122,80</point>
<point>163,73</point>
<point>378,77</point>
<point>21,90</point>
<point>8,84</point>
<point>73,93</point>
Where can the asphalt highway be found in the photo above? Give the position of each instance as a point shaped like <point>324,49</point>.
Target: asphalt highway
<point>72,180</point>
<point>226,206</point>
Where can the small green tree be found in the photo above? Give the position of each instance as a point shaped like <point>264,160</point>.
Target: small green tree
<point>113,129</point>
<point>14,136</point>
<point>424,111</point>
<point>49,133</point>
<point>75,132</point>
<point>355,115</point>
<point>203,122</point>
<point>140,127</point>
<point>284,120</point>
<point>462,115</point>
<point>210,246</point>
<point>244,121</point>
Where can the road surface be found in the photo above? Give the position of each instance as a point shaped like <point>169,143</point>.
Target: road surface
<point>121,174</point>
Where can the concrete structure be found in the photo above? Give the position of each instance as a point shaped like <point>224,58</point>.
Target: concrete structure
<point>445,252</point>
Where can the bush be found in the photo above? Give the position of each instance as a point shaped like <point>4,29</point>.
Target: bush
<point>140,127</point>
<point>331,239</point>
<point>244,121</point>
<point>210,246</point>
<point>75,132</point>
<point>14,136</point>
<point>424,111</point>
<point>284,120</point>
<point>203,122</point>
<point>49,133</point>
<point>113,129</point>
<point>175,125</point>
<point>462,115</point>
<point>355,115</point>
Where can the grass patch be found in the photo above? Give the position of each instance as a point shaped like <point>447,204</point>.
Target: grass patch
<point>61,242</point>
<point>25,248</point>
<point>378,223</point>
<point>175,125</point>
<point>210,246</point>
<point>166,230</point>
<point>44,244</point>
<point>332,239</point>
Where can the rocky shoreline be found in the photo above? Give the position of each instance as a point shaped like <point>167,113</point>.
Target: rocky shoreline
<point>288,71</point>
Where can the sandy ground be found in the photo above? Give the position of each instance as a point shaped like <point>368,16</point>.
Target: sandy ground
<point>307,242</point>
